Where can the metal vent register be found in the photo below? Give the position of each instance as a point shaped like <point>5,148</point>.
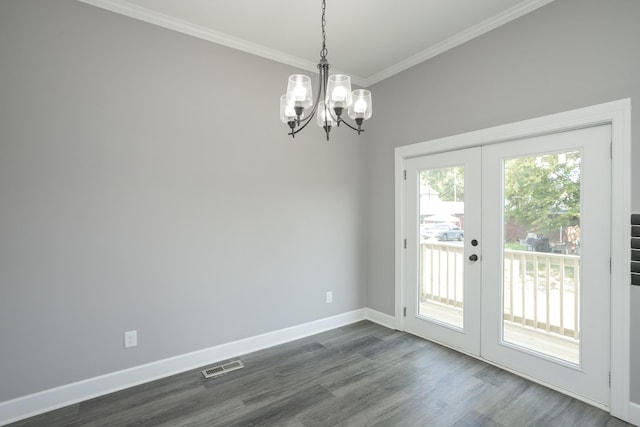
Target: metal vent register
<point>218,370</point>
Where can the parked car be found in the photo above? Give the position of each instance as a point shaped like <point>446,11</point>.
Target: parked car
<point>443,232</point>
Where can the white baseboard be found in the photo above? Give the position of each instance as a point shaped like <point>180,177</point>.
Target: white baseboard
<point>380,318</point>
<point>47,400</point>
<point>634,413</point>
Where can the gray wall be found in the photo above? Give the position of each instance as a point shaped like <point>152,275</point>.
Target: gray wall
<point>147,183</point>
<point>140,190</point>
<point>566,55</point>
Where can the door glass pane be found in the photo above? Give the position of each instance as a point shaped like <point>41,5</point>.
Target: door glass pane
<point>541,282</point>
<point>441,227</point>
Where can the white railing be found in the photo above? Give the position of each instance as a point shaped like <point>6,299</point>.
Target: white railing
<point>541,290</point>
<point>441,272</point>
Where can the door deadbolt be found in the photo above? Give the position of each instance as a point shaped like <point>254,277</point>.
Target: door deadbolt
<point>474,242</point>
<point>473,257</point>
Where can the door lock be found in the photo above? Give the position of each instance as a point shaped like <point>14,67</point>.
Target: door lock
<point>473,257</point>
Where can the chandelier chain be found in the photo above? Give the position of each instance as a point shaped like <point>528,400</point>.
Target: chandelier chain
<point>324,51</point>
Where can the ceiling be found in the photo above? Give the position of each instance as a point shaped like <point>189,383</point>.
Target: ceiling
<point>367,39</point>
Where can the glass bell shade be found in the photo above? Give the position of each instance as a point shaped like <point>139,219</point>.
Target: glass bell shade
<point>324,116</point>
<point>339,91</point>
<point>287,113</point>
<point>299,91</point>
<point>360,108</point>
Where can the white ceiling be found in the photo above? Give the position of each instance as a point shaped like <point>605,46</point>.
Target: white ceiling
<point>367,39</point>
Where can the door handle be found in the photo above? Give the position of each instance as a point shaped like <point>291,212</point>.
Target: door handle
<point>473,257</point>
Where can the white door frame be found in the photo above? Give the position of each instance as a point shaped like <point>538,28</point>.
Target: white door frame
<point>616,113</point>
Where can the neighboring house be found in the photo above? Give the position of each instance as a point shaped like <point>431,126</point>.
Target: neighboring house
<point>434,210</point>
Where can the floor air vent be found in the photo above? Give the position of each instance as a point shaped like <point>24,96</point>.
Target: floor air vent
<point>218,370</point>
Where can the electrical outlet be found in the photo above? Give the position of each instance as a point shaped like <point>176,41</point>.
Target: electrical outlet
<point>130,339</point>
<point>329,297</point>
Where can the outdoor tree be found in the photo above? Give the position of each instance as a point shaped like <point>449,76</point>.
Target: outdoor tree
<point>542,193</point>
<point>448,182</point>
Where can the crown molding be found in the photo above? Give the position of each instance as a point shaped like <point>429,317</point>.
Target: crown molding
<point>131,10</point>
<point>460,38</point>
<point>126,8</point>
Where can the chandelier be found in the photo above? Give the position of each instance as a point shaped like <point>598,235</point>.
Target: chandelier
<point>334,97</point>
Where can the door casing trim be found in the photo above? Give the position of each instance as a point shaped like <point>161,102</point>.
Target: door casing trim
<point>618,115</point>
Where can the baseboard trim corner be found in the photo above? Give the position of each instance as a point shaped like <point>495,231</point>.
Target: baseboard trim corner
<point>37,403</point>
<point>634,413</point>
<point>380,318</point>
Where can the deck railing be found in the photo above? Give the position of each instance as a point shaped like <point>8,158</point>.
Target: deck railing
<point>541,290</point>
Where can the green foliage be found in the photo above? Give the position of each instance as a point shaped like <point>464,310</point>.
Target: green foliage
<point>543,192</point>
<point>448,182</point>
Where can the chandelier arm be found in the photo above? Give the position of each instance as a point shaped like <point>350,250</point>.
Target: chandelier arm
<point>324,79</point>
<point>323,68</point>
<point>315,105</point>
<point>341,120</point>
<point>322,86</point>
<point>350,126</point>
<point>304,123</point>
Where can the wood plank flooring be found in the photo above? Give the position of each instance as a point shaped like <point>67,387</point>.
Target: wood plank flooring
<point>358,375</point>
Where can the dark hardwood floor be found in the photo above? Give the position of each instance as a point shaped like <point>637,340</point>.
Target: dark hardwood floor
<point>358,375</point>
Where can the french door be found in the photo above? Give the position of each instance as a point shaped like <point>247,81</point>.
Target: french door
<point>444,286</point>
<point>508,256</point>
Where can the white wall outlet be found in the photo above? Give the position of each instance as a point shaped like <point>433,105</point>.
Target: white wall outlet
<point>130,339</point>
<point>329,297</point>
